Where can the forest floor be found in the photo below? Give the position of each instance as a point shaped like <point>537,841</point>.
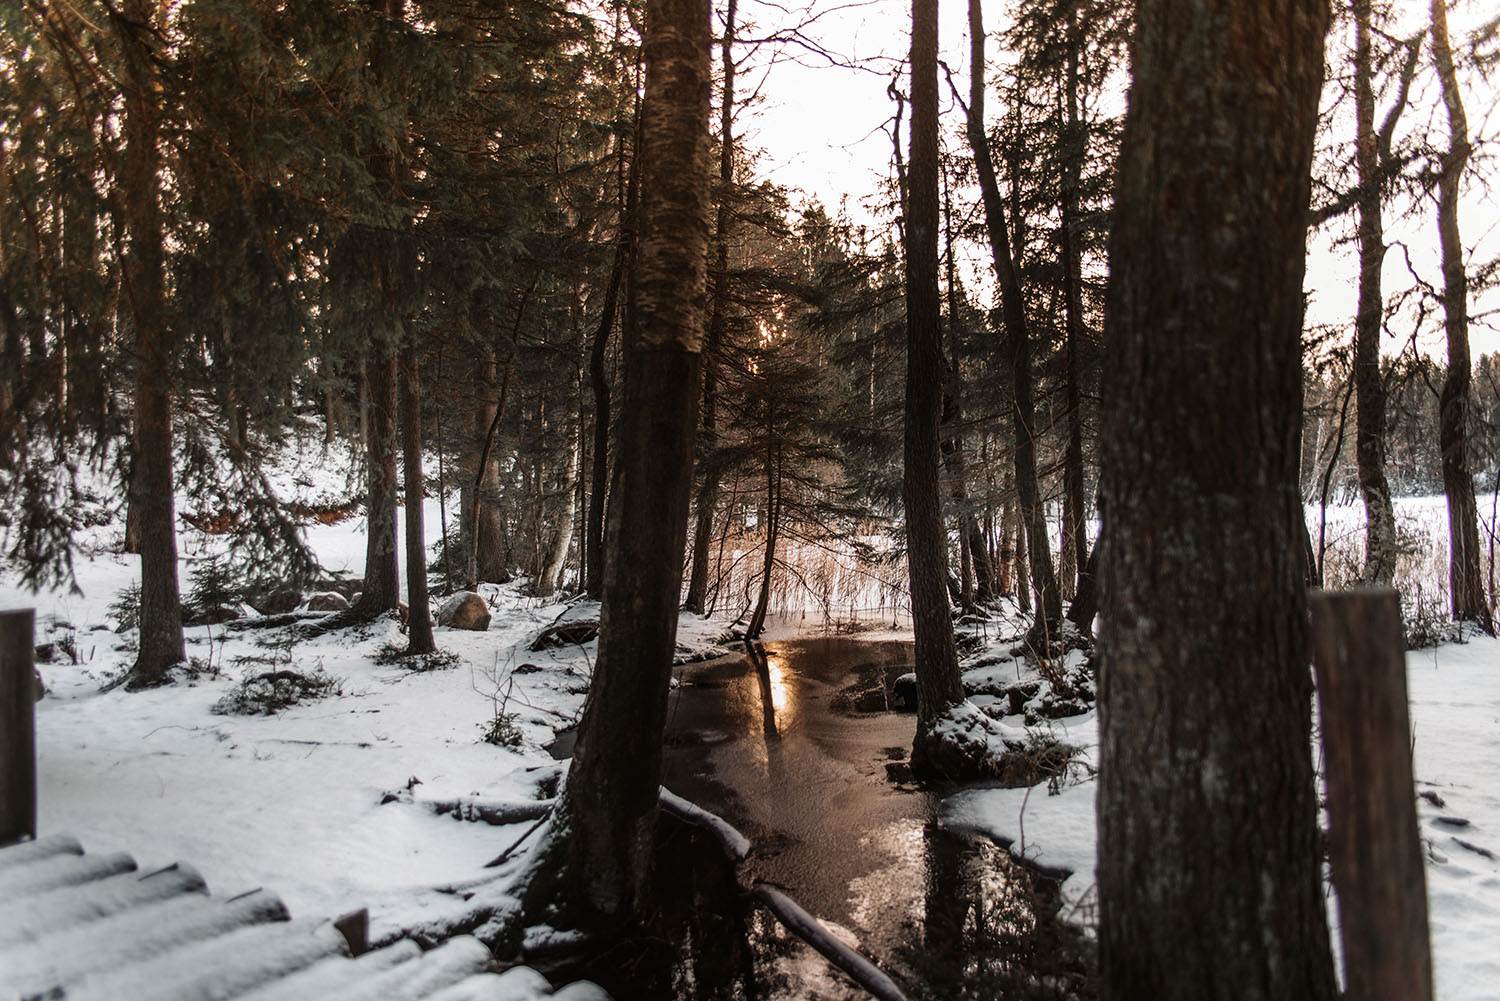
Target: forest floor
<point>1454,692</point>
<point>332,803</point>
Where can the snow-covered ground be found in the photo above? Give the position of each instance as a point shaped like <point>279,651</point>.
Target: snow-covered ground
<point>296,802</point>
<point>1455,713</point>
<point>292,802</point>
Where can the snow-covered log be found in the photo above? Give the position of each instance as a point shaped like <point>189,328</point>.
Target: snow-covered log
<point>79,905</point>
<point>735,843</point>
<point>811,931</point>
<point>497,812</point>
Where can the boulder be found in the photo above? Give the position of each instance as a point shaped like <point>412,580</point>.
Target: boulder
<point>38,689</point>
<point>327,601</point>
<point>277,601</point>
<point>465,610</point>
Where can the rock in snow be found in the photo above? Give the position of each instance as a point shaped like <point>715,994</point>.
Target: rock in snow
<point>327,601</point>
<point>465,610</point>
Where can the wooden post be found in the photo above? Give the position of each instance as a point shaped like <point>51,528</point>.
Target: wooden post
<point>17,726</point>
<point>355,927</point>
<point>1374,847</point>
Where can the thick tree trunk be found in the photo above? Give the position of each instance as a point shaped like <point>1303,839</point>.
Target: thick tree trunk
<point>1466,586</point>
<point>595,869</point>
<point>938,683</point>
<point>1209,869</point>
<point>161,642</point>
<point>418,623</point>
<point>1369,388</point>
<point>382,582</point>
<point>718,317</point>
<point>1017,336</point>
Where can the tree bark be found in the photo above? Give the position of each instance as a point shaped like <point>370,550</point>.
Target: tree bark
<point>1466,586</point>
<point>599,383</point>
<point>1369,388</point>
<point>595,869</point>
<point>938,683</point>
<point>1075,536</point>
<point>555,555</point>
<point>382,581</point>
<point>718,317</point>
<point>419,623</point>
<point>976,573</point>
<point>773,525</point>
<point>151,485</point>
<point>1209,875</point>
<point>418,607</point>
<point>382,589</point>
<point>481,514</point>
<point>1017,336</point>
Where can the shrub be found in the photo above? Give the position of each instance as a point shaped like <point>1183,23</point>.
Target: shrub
<point>274,691</point>
<point>126,608</point>
<point>503,730</point>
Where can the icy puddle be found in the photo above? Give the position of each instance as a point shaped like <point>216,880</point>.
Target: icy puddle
<point>791,745</point>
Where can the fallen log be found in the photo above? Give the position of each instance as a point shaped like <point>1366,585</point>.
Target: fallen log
<point>811,930</point>
<point>495,812</point>
<point>736,845</point>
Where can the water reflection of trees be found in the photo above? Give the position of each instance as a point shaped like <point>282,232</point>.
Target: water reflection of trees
<point>990,928</point>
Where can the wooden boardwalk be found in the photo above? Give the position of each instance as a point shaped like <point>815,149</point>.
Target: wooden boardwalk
<point>76,926</point>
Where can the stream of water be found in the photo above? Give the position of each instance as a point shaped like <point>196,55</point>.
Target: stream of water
<point>790,744</point>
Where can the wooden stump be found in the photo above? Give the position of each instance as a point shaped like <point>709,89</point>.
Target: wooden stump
<point>1374,846</point>
<point>17,726</point>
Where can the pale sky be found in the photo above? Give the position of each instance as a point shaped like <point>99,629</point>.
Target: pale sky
<point>823,130</point>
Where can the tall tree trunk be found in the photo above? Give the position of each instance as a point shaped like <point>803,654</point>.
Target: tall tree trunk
<point>1075,536</point>
<point>161,642</point>
<point>718,317</point>
<point>1466,586</point>
<point>555,553</point>
<point>382,581</point>
<point>599,476</point>
<point>1024,583</point>
<point>976,574</point>
<point>595,868</point>
<point>938,683</point>
<point>418,607</point>
<point>1008,550</point>
<point>1086,600</point>
<point>1209,866</point>
<point>1017,337</point>
<point>599,382</point>
<point>382,589</point>
<point>773,526</point>
<point>480,505</point>
<point>1369,388</point>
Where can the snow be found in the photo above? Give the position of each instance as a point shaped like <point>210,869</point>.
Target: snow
<point>292,801</point>
<point>327,803</point>
<point>1455,710</point>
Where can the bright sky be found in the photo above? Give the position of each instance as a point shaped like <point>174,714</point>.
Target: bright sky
<point>824,130</point>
